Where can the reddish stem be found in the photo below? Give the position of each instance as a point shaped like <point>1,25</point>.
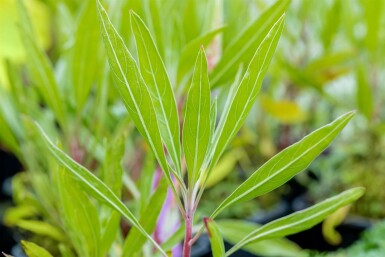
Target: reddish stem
<point>188,236</point>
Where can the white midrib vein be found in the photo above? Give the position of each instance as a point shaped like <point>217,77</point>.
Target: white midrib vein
<point>195,169</point>
<point>143,123</point>
<point>292,224</point>
<point>121,208</point>
<point>275,173</point>
<point>140,116</point>
<point>162,161</point>
<point>224,118</point>
<point>170,135</point>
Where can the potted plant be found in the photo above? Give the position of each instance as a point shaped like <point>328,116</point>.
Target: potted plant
<point>79,183</point>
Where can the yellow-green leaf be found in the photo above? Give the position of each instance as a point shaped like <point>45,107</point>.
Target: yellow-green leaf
<point>197,123</point>
<point>286,164</point>
<point>155,76</point>
<point>33,250</point>
<point>300,220</point>
<point>286,111</point>
<point>216,240</point>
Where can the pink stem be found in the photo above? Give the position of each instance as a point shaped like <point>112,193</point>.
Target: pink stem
<point>188,236</point>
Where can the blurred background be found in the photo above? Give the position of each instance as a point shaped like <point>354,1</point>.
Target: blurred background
<point>53,68</point>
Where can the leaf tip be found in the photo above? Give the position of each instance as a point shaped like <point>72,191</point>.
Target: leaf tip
<point>206,221</point>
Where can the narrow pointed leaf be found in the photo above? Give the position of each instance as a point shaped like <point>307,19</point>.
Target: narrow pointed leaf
<point>213,115</point>
<point>234,231</point>
<point>41,228</point>
<point>33,250</point>
<point>300,220</point>
<point>216,240</point>
<point>40,67</point>
<point>133,91</point>
<point>155,76</point>
<point>286,164</point>
<point>242,97</point>
<point>94,185</point>
<point>85,54</point>
<point>197,122</point>
<point>80,215</point>
<point>186,62</point>
<point>243,47</point>
<point>148,218</point>
<point>364,92</point>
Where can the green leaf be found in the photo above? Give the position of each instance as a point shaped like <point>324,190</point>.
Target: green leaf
<point>216,240</point>
<point>364,94</point>
<point>286,164</point>
<point>331,24</point>
<point>112,177</point>
<point>148,218</point>
<point>175,239</point>
<point>197,122</point>
<point>112,167</point>
<point>80,215</point>
<point>373,14</point>
<point>155,22</point>
<point>285,111</point>
<point>40,67</point>
<point>235,230</point>
<point>7,137</point>
<point>155,76</point>
<point>187,57</point>
<point>41,228</point>
<point>21,211</point>
<point>242,97</point>
<point>243,47</point>
<point>85,54</point>
<point>331,235</point>
<point>134,92</point>
<point>33,250</point>
<point>225,165</point>
<point>94,185</point>
<point>65,251</point>
<point>146,179</point>
<point>300,220</point>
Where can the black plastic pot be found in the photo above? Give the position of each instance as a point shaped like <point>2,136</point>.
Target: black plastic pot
<point>6,237</point>
<point>9,166</point>
<point>202,247</point>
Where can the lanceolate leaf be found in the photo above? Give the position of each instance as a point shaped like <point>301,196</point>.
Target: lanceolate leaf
<point>300,220</point>
<point>242,97</point>
<point>216,240</point>
<point>40,67</point>
<point>85,54</point>
<point>148,218</point>
<point>41,228</point>
<point>286,164</point>
<point>92,184</point>
<point>364,94</point>
<point>234,231</point>
<point>186,62</point>
<point>133,91</point>
<point>33,250</point>
<point>196,127</point>
<point>242,48</point>
<point>80,215</point>
<point>155,76</point>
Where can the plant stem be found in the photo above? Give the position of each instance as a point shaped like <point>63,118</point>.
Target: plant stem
<point>188,236</point>
<point>188,224</point>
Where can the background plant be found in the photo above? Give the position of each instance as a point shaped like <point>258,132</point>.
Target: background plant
<point>156,118</point>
